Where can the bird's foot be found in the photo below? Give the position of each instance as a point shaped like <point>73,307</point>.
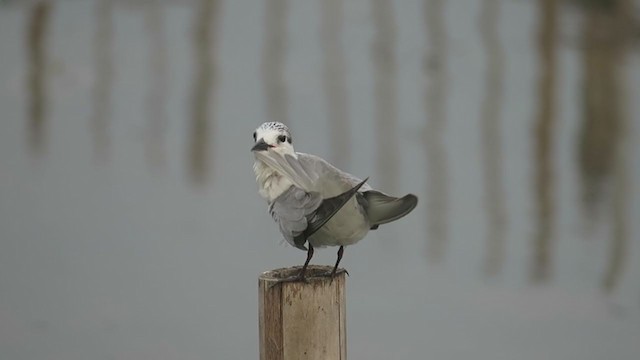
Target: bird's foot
<point>332,274</point>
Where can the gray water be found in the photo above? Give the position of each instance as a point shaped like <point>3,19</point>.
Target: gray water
<point>130,226</point>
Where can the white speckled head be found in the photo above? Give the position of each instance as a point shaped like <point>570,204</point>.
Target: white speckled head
<point>272,141</point>
<point>273,136</point>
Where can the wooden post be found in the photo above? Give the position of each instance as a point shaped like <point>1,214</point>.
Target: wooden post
<point>302,320</point>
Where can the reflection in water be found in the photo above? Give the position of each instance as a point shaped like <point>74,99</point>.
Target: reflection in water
<point>620,204</point>
<point>157,91</point>
<point>102,105</point>
<point>544,127</point>
<point>435,67</point>
<point>273,59</point>
<point>384,64</point>
<point>37,76</point>
<point>601,110</point>
<point>603,147</point>
<point>491,139</point>
<point>202,91</point>
<point>335,82</point>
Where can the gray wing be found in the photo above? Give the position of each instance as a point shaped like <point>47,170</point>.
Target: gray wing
<point>379,207</point>
<point>292,210</point>
<point>311,173</point>
<point>300,214</point>
<point>332,181</point>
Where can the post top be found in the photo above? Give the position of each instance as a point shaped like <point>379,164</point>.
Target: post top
<point>313,272</point>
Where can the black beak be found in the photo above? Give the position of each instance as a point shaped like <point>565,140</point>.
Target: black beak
<point>260,146</point>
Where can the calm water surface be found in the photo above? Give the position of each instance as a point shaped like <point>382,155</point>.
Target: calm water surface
<point>130,226</point>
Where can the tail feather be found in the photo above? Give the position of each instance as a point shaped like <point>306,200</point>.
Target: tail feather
<point>382,209</point>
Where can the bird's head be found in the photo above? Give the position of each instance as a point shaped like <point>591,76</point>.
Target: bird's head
<point>273,136</point>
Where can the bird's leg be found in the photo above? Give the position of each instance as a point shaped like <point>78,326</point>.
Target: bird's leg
<point>306,263</point>
<point>300,276</point>
<point>335,268</point>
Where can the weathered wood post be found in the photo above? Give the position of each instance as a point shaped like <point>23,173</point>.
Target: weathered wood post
<point>300,320</point>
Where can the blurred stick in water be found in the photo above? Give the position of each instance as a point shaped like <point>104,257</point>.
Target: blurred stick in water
<point>335,82</point>
<point>544,127</point>
<point>103,49</point>
<point>37,74</point>
<point>491,139</point>
<point>384,64</point>
<point>273,60</point>
<point>620,237</point>
<point>603,42</point>
<point>205,18</point>
<point>435,68</point>
<point>603,146</point>
<point>157,90</point>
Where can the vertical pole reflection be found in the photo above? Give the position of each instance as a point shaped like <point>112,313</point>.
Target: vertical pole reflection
<point>435,67</point>
<point>620,213</point>
<point>491,139</point>
<point>156,120</point>
<point>273,58</point>
<point>103,49</point>
<point>604,37</point>
<point>384,64</point>
<point>335,82</point>
<point>205,18</point>
<point>600,120</point>
<point>605,146</point>
<point>543,131</point>
<point>37,75</point>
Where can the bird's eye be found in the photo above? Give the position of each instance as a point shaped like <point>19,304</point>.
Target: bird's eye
<point>282,138</point>
<point>254,136</point>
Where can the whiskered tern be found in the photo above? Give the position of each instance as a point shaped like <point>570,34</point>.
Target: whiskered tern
<point>314,202</point>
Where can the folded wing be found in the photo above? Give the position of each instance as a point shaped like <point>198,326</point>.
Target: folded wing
<point>292,211</point>
<point>300,214</point>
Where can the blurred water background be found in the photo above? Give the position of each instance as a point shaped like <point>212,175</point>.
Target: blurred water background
<point>130,226</point>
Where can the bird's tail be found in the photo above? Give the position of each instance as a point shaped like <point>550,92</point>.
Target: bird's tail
<point>382,208</point>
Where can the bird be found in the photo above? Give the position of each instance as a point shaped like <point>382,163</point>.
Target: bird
<point>315,203</point>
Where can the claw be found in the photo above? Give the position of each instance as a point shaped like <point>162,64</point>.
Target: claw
<point>332,274</point>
